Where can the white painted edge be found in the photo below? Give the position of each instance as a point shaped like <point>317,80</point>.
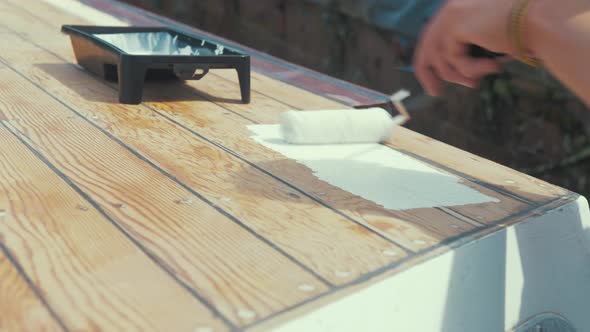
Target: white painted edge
<point>539,265</point>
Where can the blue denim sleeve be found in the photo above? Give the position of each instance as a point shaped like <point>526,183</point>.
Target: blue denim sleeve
<point>405,17</point>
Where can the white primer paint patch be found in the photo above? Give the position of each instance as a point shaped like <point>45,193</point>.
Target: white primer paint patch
<point>375,172</point>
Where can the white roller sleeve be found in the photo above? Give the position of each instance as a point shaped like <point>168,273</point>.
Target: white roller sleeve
<point>371,125</point>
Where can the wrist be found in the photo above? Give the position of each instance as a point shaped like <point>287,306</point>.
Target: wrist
<point>519,31</point>
<point>536,28</point>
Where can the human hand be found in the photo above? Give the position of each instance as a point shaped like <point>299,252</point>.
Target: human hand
<point>443,50</point>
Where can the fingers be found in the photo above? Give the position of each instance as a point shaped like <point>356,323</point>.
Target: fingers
<point>473,68</point>
<point>429,80</point>
<point>423,65</point>
<point>432,66</point>
<point>449,73</point>
<point>467,66</point>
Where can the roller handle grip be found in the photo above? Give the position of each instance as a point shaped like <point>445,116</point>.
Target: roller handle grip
<point>479,52</point>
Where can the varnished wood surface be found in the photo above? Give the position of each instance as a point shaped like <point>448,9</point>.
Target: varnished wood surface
<point>175,223</point>
<point>88,271</point>
<point>175,218</point>
<point>20,308</point>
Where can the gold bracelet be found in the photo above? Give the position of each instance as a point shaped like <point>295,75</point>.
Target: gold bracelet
<point>517,29</point>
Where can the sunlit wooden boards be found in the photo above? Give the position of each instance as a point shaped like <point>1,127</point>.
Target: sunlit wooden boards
<point>21,308</point>
<point>166,216</point>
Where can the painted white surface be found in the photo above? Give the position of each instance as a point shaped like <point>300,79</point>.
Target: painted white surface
<point>490,285</point>
<point>342,126</point>
<point>88,13</point>
<point>375,172</point>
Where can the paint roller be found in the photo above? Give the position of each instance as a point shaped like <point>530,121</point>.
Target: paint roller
<point>347,126</point>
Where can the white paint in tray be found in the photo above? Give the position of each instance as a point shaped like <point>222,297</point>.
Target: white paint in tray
<point>375,172</point>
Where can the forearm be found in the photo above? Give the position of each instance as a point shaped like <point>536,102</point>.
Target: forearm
<point>559,34</point>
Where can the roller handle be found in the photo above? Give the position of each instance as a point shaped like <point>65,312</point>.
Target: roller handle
<point>479,52</point>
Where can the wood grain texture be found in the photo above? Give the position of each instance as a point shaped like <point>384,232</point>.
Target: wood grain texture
<point>20,309</point>
<point>90,274</point>
<point>271,208</point>
<point>229,266</point>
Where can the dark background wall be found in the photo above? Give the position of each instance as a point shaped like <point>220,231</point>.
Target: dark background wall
<point>522,118</point>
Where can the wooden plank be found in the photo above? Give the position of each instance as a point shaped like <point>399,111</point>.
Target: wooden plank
<point>90,274</point>
<point>18,16</point>
<point>200,244</point>
<point>20,308</point>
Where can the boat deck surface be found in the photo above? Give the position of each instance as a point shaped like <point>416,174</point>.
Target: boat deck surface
<point>167,216</point>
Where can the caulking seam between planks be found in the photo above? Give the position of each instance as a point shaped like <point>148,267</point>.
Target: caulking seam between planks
<point>228,150</point>
<point>173,178</point>
<point>95,205</point>
<point>29,282</point>
<point>450,243</point>
<point>460,216</point>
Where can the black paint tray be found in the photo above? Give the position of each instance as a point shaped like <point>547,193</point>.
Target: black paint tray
<point>132,54</point>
